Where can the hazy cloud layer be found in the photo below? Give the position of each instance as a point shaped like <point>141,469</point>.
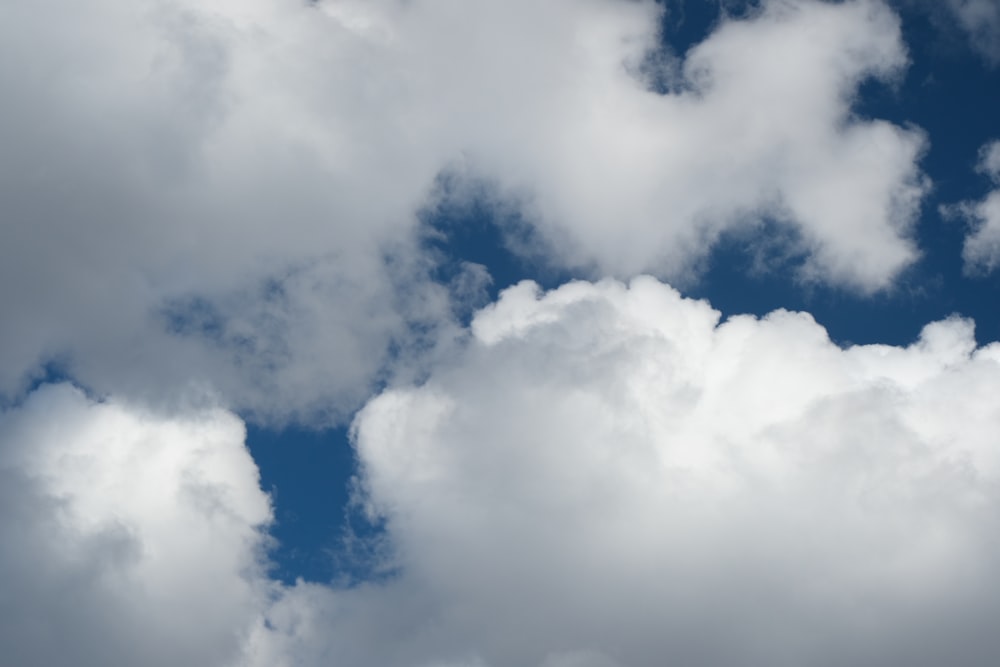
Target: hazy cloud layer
<point>608,476</point>
<point>225,193</point>
<point>982,244</point>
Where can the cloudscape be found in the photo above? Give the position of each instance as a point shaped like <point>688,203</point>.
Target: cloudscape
<point>427,333</point>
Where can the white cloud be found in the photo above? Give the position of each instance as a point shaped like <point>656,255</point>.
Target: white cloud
<point>231,155</point>
<point>259,159</point>
<point>981,250</point>
<point>223,194</point>
<point>126,537</point>
<point>608,476</point>
<point>761,128</point>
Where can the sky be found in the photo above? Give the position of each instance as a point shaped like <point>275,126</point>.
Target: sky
<point>456,333</point>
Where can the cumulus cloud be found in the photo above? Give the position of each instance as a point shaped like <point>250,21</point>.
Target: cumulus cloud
<point>757,128</point>
<point>981,250</point>
<point>126,537</point>
<point>608,475</point>
<point>225,195</point>
<point>605,476</point>
<point>225,192</point>
<point>208,192</point>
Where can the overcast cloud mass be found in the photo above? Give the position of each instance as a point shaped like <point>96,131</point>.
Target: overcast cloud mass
<point>229,212</point>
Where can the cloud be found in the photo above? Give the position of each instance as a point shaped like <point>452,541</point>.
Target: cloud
<point>608,475</point>
<point>226,193</point>
<point>980,19</point>
<point>605,476</point>
<point>758,127</point>
<point>204,193</point>
<point>981,250</point>
<point>126,537</point>
<point>225,196</point>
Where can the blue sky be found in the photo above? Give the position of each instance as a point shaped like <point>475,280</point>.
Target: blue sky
<point>596,333</point>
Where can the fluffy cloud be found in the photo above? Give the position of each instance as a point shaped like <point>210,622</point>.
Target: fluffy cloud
<point>126,537</point>
<point>225,192</point>
<point>756,126</point>
<point>981,251</point>
<point>224,195</point>
<point>204,191</point>
<point>606,476</point>
<point>609,476</point>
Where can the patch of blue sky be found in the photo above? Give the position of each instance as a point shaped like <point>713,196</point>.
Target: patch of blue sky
<point>320,533</point>
<point>55,370</point>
